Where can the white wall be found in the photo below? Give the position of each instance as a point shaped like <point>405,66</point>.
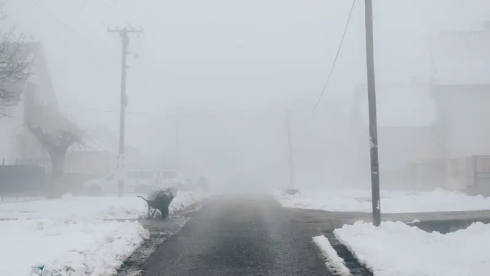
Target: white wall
<point>10,127</point>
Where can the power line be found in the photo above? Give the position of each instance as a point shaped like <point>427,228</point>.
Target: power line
<point>108,110</point>
<point>156,114</point>
<point>334,62</point>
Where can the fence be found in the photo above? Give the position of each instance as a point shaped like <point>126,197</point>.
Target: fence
<point>470,175</point>
<point>22,179</point>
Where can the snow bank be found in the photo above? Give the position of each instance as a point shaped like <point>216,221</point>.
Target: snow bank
<point>129,207</point>
<point>391,201</point>
<point>184,200</point>
<point>334,263</point>
<point>70,235</point>
<point>87,247</point>
<point>398,249</point>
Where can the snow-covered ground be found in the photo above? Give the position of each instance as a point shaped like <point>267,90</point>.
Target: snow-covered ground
<point>129,207</point>
<point>82,246</point>
<point>398,249</point>
<point>73,233</point>
<point>391,201</point>
<point>334,263</point>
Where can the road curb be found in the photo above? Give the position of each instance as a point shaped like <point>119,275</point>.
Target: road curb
<point>351,262</point>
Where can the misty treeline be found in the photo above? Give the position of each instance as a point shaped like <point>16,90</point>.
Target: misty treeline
<point>54,132</point>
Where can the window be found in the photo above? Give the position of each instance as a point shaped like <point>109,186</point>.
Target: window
<point>146,175</point>
<point>168,175</point>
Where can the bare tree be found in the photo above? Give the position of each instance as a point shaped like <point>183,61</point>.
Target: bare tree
<point>16,59</point>
<point>56,134</point>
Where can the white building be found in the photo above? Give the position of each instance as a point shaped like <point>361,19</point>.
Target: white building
<point>16,143</point>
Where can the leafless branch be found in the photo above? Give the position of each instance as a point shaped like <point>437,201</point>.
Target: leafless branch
<point>15,61</point>
<point>41,136</point>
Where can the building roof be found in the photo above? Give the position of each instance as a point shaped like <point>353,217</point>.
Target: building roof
<point>461,58</point>
<point>41,75</point>
<point>37,88</point>
<point>398,105</point>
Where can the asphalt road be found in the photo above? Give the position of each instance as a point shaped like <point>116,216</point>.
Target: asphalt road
<point>236,236</point>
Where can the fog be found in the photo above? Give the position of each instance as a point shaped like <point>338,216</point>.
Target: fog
<point>209,83</point>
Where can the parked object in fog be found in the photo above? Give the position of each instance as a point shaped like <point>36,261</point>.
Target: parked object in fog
<point>290,192</point>
<point>172,179</point>
<point>137,181</point>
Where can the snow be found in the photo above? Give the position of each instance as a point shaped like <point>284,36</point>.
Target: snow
<point>98,247</point>
<point>334,263</point>
<point>391,201</point>
<point>129,207</point>
<point>75,235</point>
<point>399,249</point>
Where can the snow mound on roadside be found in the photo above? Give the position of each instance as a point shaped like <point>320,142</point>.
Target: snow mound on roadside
<point>186,199</point>
<point>87,247</point>
<point>391,201</point>
<point>334,263</point>
<point>394,248</point>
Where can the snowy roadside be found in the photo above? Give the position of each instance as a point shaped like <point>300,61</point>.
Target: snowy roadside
<point>76,235</point>
<point>334,263</point>
<point>395,247</point>
<point>129,207</point>
<point>391,201</point>
<point>83,247</point>
<point>186,200</point>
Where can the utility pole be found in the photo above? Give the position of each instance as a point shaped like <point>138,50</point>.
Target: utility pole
<point>373,127</point>
<point>290,151</point>
<point>124,103</point>
<point>177,140</point>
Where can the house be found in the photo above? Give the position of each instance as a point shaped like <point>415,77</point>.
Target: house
<point>97,158</point>
<point>18,145</point>
<point>461,88</point>
<point>406,117</point>
<point>91,159</point>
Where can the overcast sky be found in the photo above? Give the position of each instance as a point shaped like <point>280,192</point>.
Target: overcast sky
<point>216,60</point>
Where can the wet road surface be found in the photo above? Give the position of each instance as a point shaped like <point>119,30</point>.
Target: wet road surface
<point>236,236</point>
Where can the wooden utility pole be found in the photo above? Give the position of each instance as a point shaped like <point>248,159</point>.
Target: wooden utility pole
<point>373,126</point>
<point>177,141</point>
<point>124,103</point>
<point>290,151</point>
